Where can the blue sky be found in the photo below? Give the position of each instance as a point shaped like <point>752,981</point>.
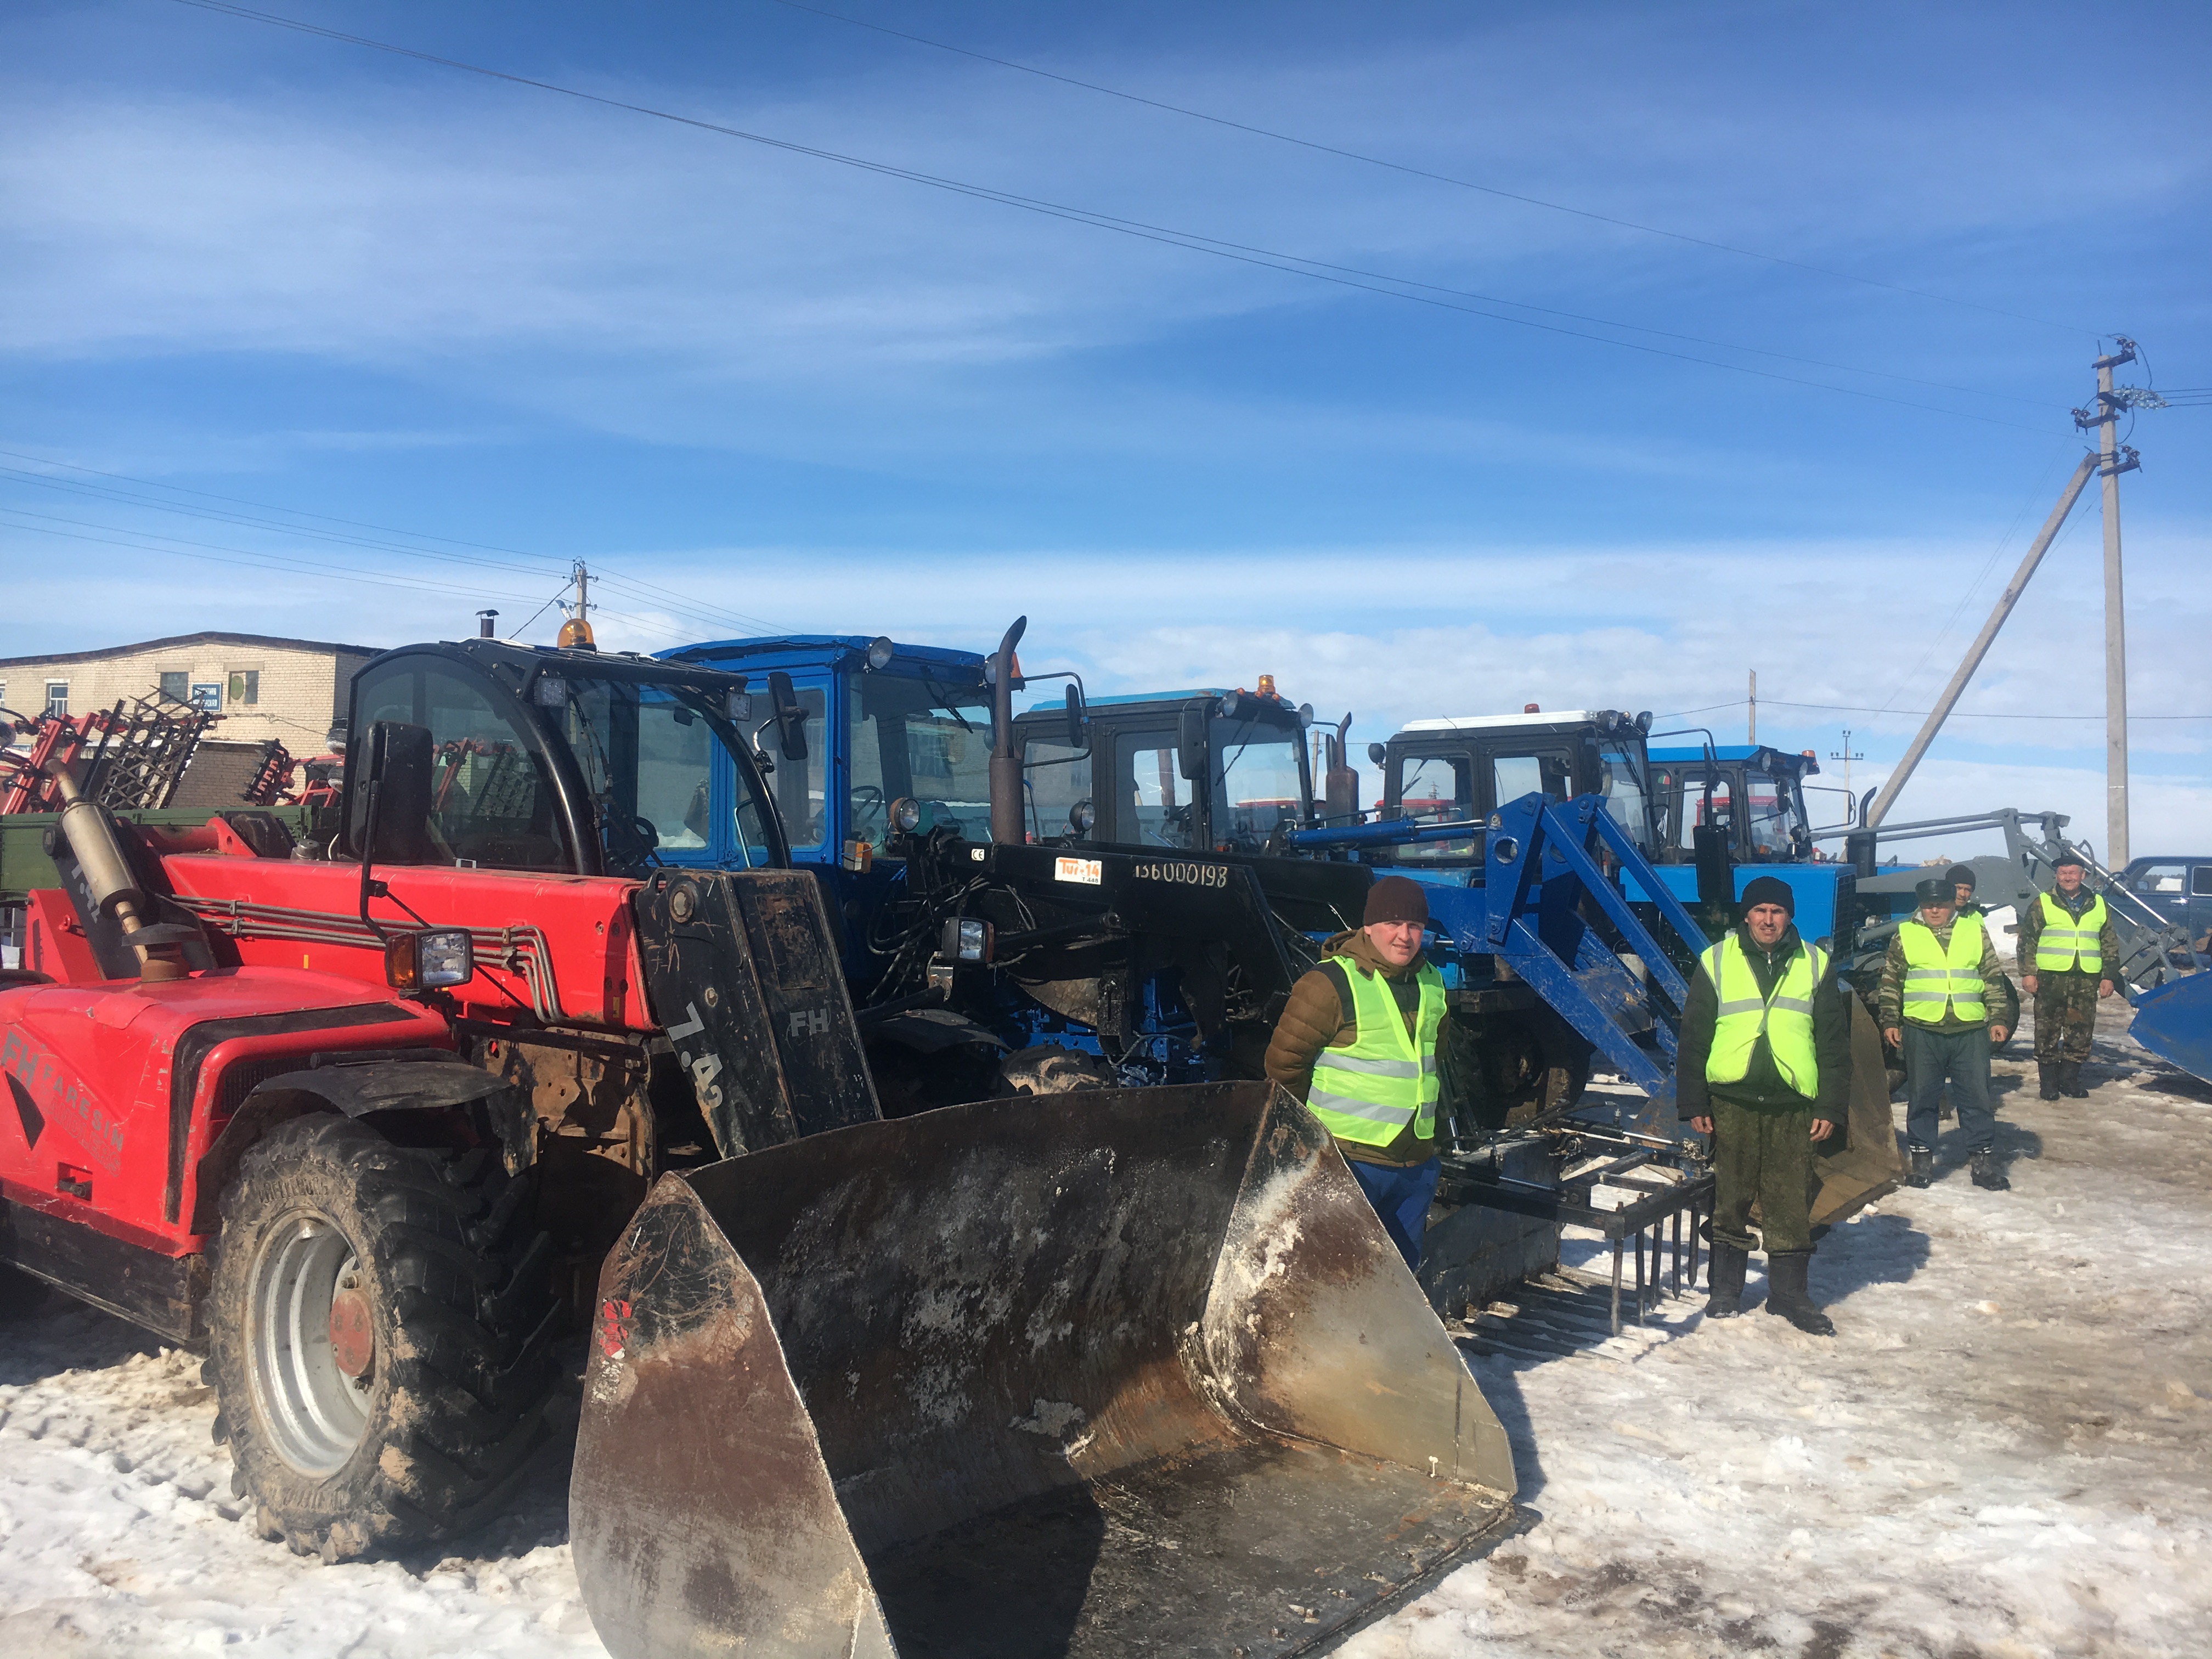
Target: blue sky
<point>769,391</point>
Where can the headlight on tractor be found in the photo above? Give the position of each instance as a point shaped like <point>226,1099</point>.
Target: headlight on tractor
<point>906,815</point>
<point>435,959</point>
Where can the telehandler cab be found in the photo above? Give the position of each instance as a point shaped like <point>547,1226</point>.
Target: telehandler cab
<point>1130,1370</point>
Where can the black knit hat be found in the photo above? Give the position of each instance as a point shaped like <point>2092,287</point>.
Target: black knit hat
<point>1937,889</point>
<point>1960,875</point>
<point>1769,890</point>
<point>1395,898</point>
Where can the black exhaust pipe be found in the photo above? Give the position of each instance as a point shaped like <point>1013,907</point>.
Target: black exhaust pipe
<point>1007,815</point>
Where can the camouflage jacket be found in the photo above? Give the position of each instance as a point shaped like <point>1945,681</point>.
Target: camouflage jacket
<point>2030,929</point>
<point>1997,994</point>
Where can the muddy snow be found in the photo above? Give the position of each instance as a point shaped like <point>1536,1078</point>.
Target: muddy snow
<point>2006,1451</point>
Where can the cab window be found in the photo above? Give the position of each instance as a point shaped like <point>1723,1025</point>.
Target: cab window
<point>493,801</point>
<point>1055,781</point>
<point>1436,789</point>
<point>1620,780</point>
<point>798,785</point>
<point>911,737</point>
<point>1154,807</point>
<point>1774,822</point>
<point>1262,784</point>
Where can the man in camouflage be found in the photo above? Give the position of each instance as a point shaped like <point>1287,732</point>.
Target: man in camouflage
<point>1941,983</point>
<point>2066,972</point>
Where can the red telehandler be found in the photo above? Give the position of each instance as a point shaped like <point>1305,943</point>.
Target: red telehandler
<point>362,1118</point>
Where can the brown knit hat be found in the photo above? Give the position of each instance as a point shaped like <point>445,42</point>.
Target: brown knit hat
<point>1395,898</point>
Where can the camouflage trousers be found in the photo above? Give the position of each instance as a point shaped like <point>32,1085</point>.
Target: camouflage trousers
<point>1763,1157</point>
<point>2065,1015</point>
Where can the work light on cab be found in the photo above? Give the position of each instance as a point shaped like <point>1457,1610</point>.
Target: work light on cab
<point>432,959</point>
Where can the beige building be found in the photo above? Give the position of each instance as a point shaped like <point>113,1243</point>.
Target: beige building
<point>261,687</point>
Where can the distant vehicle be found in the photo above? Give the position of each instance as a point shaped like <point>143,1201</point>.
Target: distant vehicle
<point>2178,887</point>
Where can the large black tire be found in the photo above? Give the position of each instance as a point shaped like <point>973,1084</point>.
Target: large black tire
<point>458,1319</point>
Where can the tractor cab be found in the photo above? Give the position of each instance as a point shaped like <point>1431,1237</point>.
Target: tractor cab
<point>1756,793</point>
<point>1204,770</point>
<point>1454,771</point>
<point>567,761</point>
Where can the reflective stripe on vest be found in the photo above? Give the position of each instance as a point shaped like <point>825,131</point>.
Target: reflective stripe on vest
<point>1387,1078</point>
<point>2065,942</point>
<point>1785,1020</point>
<point>1933,981</point>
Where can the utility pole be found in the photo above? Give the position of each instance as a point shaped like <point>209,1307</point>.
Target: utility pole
<point>1753,738</point>
<point>1846,755</point>
<point>576,632</point>
<point>1980,649</point>
<point>2110,464</point>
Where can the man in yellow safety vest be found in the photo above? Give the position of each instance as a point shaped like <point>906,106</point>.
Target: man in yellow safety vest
<point>1763,1066</point>
<point>1940,985</point>
<point>2068,947</point>
<point>1357,1042</point>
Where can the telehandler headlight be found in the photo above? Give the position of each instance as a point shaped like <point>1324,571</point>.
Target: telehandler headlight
<point>965,940</point>
<point>434,959</point>
<point>739,705</point>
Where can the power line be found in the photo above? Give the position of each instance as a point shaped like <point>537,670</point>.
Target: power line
<point>1424,173</point>
<point>703,611</point>
<point>1192,241</point>
<point>1916,714</point>
<point>214,552</point>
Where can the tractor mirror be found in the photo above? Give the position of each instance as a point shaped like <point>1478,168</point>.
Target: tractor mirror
<point>394,792</point>
<point>1075,713</point>
<point>790,717</point>
<point>1191,743</point>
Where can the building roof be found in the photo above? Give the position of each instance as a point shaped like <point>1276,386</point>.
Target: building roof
<point>182,639</point>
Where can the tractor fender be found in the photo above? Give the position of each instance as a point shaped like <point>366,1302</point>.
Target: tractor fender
<point>356,1089</point>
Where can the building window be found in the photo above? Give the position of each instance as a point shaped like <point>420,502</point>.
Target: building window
<point>206,695</point>
<point>58,699</point>
<point>176,685</point>
<point>245,686</point>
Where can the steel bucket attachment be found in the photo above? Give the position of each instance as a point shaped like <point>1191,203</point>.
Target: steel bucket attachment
<point>2174,1022</point>
<point>1859,1161</point>
<point>1112,1372</point>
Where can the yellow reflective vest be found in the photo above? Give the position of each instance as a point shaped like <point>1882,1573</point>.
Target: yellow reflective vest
<point>1784,1019</point>
<point>1934,981</point>
<point>1387,1078</point>
<point>2065,945</point>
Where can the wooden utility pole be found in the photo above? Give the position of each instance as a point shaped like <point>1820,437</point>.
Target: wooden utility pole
<point>2110,464</point>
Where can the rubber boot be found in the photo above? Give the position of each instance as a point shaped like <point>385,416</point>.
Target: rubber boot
<point>2069,1080</point>
<point>2046,1073</point>
<point>1786,1293</point>
<point>1920,1166</point>
<point>1725,1279</point>
<point>1989,1174</point>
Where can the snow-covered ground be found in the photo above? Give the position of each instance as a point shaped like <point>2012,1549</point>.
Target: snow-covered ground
<point>2006,1452</point>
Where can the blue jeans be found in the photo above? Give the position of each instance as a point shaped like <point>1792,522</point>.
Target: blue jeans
<point>1401,1193</point>
<point>1930,1056</point>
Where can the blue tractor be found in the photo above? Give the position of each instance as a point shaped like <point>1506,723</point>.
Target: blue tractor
<point>1746,801</point>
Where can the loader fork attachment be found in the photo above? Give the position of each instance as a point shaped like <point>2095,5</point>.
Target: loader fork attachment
<point>1115,1372</point>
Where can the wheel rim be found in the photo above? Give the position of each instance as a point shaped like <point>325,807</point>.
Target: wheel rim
<point>314,1412</point>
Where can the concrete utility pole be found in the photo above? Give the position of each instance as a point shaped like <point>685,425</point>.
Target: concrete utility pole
<point>1846,755</point>
<point>2110,465</point>
<point>1980,648</point>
